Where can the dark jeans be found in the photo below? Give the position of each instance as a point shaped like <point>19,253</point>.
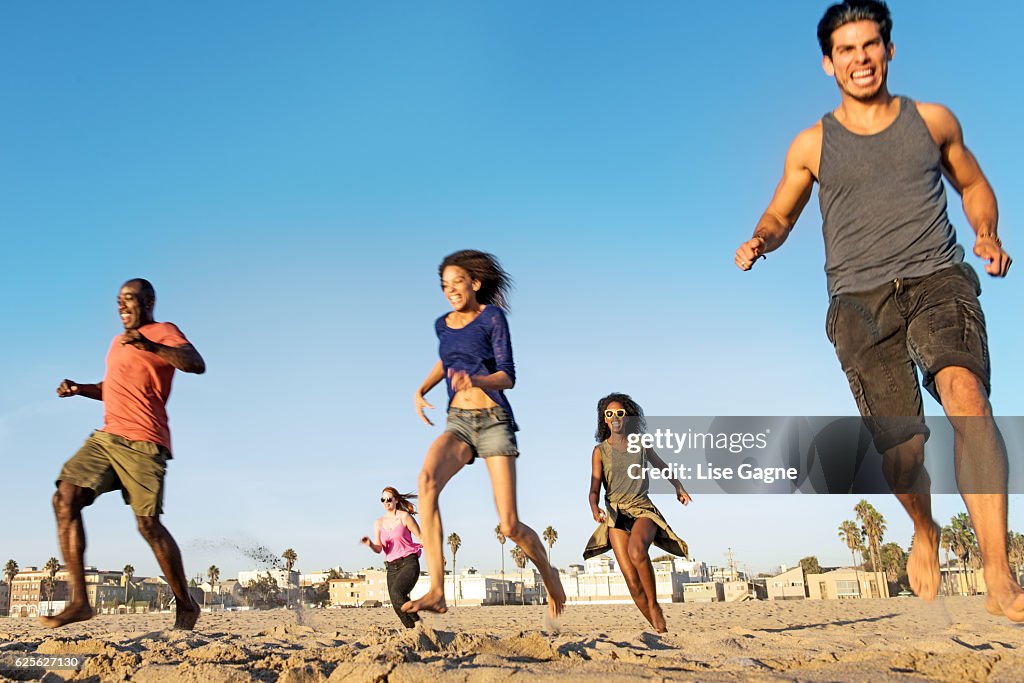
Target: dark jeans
<point>880,335</point>
<point>403,574</point>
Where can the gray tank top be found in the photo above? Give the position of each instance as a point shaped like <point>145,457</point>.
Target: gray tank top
<point>883,204</point>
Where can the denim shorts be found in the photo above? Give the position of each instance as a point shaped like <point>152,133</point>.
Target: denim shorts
<point>880,335</point>
<point>487,431</point>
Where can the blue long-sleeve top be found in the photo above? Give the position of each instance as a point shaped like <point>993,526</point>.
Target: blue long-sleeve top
<point>482,347</point>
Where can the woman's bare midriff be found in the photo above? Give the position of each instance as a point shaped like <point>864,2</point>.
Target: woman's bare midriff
<point>472,399</point>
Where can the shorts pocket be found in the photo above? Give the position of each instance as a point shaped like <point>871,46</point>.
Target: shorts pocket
<point>946,315</point>
<point>972,276</point>
<point>858,392</point>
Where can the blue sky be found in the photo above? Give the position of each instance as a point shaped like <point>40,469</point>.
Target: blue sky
<point>290,176</point>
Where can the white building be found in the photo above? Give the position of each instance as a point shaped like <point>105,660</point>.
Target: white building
<point>601,582</point>
<point>471,587</point>
<point>283,577</point>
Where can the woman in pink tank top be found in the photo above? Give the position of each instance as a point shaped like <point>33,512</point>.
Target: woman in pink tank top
<point>392,535</point>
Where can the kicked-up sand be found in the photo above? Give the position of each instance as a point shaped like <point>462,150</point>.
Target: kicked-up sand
<point>902,639</point>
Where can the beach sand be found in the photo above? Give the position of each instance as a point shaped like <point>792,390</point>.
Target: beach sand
<point>903,639</point>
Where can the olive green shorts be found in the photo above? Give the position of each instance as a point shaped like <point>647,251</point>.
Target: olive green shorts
<point>108,462</point>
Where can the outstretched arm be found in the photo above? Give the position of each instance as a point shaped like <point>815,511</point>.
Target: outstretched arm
<point>596,477</point>
<point>435,375</point>
<point>184,357</point>
<point>789,200</point>
<point>681,494</point>
<point>963,171</point>
<point>72,388</point>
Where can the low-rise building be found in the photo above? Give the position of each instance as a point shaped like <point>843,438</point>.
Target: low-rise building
<point>602,583</point>
<point>846,584</point>
<point>788,585</point>
<point>970,581</point>
<point>347,592</point>
<point>375,586</point>
<point>284,578</point>
<point>30,595</point>
<point>703,591</point>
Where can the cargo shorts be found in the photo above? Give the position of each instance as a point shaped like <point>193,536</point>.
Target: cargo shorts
<point>883,336</point>
<point>108,462</point>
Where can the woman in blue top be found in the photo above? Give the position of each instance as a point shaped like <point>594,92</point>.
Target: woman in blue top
<point>476,361</point>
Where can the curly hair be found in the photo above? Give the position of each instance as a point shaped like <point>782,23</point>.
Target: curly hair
<point>495,283</point>
<point>632,408</point>
<point>403,501</point>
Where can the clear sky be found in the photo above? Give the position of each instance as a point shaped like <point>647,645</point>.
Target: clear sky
<point>289,177</point>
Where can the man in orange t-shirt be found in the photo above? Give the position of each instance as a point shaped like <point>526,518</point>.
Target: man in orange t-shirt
<point>131,451</point>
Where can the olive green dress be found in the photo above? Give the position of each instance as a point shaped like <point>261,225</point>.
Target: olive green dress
<point>627,496</point>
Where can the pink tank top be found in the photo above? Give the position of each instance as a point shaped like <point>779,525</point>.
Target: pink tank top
<point>397,543</point>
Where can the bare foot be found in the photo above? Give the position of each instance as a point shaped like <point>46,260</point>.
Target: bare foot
<point>556,595</point>
<point>658,618</point>
<point>923,563</point>
<point>433,601</point>
<point>186,617</point>
<point>1005,598</point>
<point>70,615</point>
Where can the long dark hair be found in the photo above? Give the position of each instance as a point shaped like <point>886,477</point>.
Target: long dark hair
<point>403,501</point>
<point>495,283</point>
<point>632,408</point>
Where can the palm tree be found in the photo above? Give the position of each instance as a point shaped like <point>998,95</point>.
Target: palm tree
<point>519,557</point>
<point>850,534</point>
<point>129,572</point>
<point>290,558</point>
<point>946,542</point>
<point>454,542</point>
<point>873,524</point>
<point>501,539</point>
<point>964,541</point>
<point>52,566</point>
<point>213,573</point>
<point>550,537</point>
<point>10,571</point>
<point>1015,548</point>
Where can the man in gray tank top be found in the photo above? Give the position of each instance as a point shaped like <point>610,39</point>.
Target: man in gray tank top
<point>901,297</point>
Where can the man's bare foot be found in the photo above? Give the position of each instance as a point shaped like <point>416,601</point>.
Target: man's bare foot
<point>433,601</point>
<point>923,563</point>
<point>658,618</point>
<point>1005,598</point>
<point>556,594</point>
<point>70,615</point>
<point>186,616</point>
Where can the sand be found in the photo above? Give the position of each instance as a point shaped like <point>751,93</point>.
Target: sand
<point>902,639</point>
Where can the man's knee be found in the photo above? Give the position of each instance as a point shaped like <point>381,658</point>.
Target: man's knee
<point>69,500</point>
<point>150,527</point>
<point>962,392</point>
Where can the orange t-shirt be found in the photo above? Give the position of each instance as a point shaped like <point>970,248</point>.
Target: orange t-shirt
<point>137,386</point>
